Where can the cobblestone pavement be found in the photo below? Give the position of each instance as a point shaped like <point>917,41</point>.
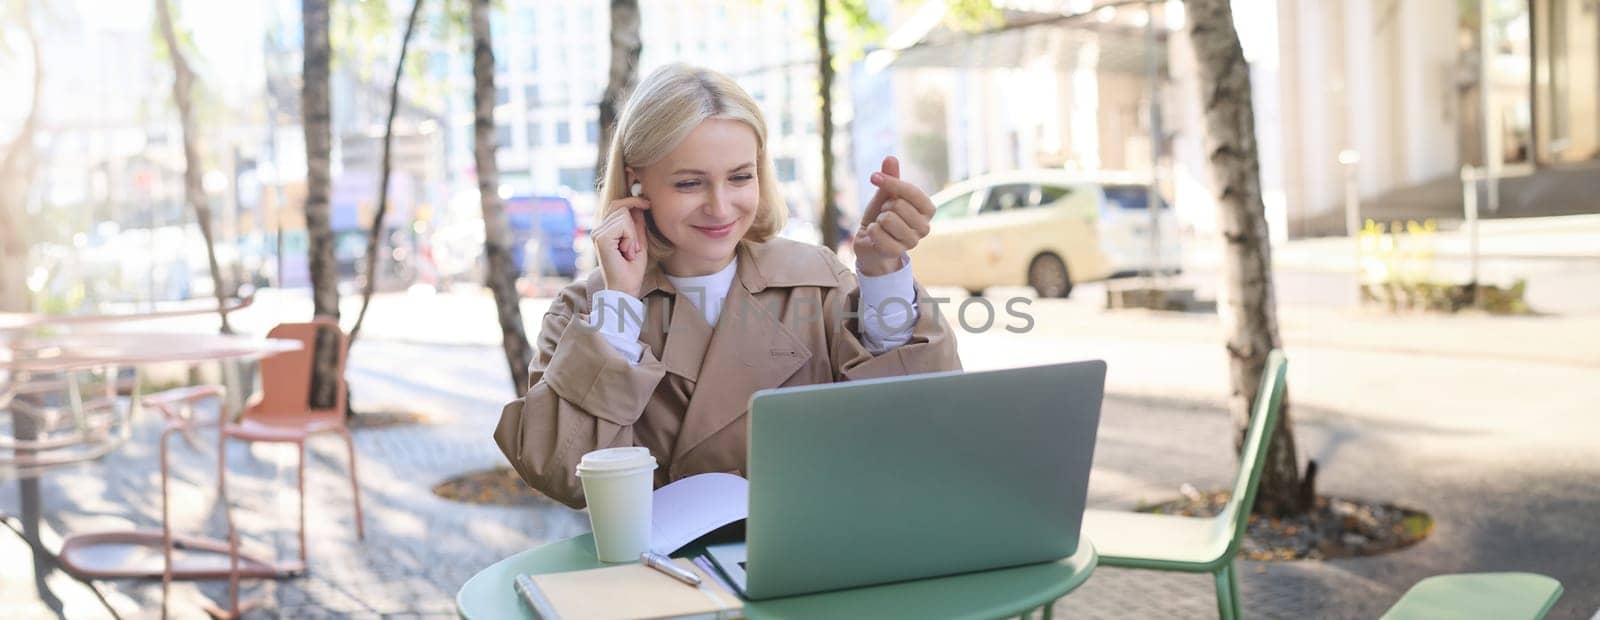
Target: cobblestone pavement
<point>1504,496</point>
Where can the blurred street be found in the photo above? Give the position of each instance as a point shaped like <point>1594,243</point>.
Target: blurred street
<point>1405,193</point>
<point>1492,434</point>
<point>1558,257</point>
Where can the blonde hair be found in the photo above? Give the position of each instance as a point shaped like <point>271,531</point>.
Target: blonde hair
<point>663,109</point>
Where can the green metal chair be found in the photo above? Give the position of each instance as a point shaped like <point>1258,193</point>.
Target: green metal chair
<point>1194,544</point>
<point>1498,596</point>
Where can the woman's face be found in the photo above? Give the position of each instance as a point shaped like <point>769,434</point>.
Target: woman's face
<point>704,195</point>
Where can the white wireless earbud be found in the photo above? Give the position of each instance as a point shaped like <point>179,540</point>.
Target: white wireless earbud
<point>636,189</point>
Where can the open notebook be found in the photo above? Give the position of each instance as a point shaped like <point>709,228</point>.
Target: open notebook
<point>631,592</point>
<point>681,512</point>
<point>695,506</point>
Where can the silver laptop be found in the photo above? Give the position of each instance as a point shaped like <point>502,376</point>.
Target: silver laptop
<point>884,480</point>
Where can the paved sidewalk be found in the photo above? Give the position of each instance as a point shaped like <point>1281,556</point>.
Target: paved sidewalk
<point>1489,424</point>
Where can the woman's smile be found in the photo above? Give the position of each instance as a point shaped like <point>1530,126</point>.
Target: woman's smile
<point>716,231</point>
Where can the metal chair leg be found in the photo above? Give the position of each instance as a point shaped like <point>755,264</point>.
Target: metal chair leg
<point>1224,581</point>
<point>222,461</point>
<point>355,486</point>
<point>166,524</point>
<point>1233,590</point>
<point>301,449</point>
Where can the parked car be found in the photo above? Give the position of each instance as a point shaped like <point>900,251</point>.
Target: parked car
<point>543,229</point>
<point>1047,229</point>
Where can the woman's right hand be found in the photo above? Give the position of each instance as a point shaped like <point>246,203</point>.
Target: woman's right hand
<point>621,245</point>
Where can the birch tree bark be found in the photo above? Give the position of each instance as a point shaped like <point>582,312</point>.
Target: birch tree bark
<point>319,142</point>
<point>1248,306</point>
<point>830,209</point>
<point>623,75</point>
<point>497,232</point>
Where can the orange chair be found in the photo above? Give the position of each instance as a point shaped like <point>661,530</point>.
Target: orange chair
<point>281,413</point>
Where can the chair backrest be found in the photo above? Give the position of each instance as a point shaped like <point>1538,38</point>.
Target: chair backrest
<point>286,377</point>
<point>1263,420</point>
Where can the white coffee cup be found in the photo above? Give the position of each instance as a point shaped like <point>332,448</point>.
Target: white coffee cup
<point>617,483</point>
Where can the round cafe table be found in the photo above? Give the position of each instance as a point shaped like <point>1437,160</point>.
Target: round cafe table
<point>998,593</point>
<point>106,555</point>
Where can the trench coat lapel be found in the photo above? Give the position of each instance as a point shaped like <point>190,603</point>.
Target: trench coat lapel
<point>750,350</point>
<point>687,337</point>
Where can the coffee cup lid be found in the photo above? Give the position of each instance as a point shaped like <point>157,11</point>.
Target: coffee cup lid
<point>616,460</point>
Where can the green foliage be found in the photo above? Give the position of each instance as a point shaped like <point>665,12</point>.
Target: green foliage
<point>359,31</point>
<point>857,21</point>
<point>1398,272</point>
<point>445,21</point>
<point>1418,525</point>
<point>61,302</point>
<point>972,15</point>
<point>854,31</point>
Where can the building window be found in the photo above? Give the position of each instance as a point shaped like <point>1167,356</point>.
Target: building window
<point>533,58</point>
<point>527,18</point>
<point>577,179</point>
<point>502,136</point>
<point>563,133</point>
<point>535,134</point>
<point>785,167</point>
<point>1511,124</point>
<point>464,137</point>
<point>592,131</point>
<point>502,95</point>
<point>1566,48</point>
<point>530,95</point>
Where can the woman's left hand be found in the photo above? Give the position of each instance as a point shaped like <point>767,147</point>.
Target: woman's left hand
<point>895,220</point>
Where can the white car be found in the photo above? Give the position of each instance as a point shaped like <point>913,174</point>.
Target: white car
<point>1048,229</point>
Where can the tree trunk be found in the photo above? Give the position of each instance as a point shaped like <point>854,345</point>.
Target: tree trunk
<point>375,236</point>
<point>1248,307</point>
<point>324,273</point>
<point>830,209</point>
<point>624,74</point>
<point>496,232</point>
<point>193,191</point>
<point>16,176</point>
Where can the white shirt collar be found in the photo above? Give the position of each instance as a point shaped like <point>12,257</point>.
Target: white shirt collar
<point>707,292</point>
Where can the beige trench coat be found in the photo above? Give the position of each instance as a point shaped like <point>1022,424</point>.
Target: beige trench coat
<point>789,319</point>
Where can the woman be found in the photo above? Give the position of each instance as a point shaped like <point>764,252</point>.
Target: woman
<point>697,304</point>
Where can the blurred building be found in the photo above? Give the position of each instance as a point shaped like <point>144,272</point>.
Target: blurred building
<point>1394,90</point>
<point>107,197</point>
<point>1400,87</point>
<point>552,58</point>
<point>1051,85</point>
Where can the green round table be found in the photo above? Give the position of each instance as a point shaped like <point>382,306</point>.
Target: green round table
<point>999,593</point>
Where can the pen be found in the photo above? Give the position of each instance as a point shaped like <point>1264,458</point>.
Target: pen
<point>665,565</point>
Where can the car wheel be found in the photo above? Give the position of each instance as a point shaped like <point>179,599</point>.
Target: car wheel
<point>1048,276</point>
